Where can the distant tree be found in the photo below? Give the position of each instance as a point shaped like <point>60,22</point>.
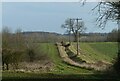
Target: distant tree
<point>31,54</point>
<point>71,27</point>
<point>30,48</point>
<point>10,53</point>
<point>6,58</point>
<point>11,56</point>
<point>6,36</point>
<point>19,40</point>
<point>113,36</point>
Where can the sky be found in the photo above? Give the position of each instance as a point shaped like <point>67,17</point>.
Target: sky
<point>57,0</point>
<point>49,16</point>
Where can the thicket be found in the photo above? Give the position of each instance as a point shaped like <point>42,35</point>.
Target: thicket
<point>17,48</point>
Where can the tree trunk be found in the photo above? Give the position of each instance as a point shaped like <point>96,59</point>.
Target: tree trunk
<point>7,66</point>
<point>75,38</point>
<point>3,66</point>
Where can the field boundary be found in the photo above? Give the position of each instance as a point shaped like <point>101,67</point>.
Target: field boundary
<point>69,61</point>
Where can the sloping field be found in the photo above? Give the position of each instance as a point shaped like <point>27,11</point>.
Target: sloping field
<point>59,68</point>
<point>65,57</point>
<point>59,65</point>
<point>89,51</point>
<point>97,51</point>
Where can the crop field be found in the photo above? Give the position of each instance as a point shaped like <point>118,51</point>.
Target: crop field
<point>91,52</point>
<point>59,65</point>
<point>98,51</point>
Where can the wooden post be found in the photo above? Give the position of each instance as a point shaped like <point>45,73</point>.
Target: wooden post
<point>77,19</point>
<point>70,32</point>
<point>77,38</point>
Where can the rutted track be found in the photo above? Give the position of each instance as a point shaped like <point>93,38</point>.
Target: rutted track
<point>64,55</point>
<point>66,59</point>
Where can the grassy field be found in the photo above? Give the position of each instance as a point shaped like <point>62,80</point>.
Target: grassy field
<point>105,51</point>
<point>98,51</point>
<point>14,76</point>
<point>60,67</point>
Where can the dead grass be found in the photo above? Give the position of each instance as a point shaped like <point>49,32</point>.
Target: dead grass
<point>36,66</point>
<point>99,65</point>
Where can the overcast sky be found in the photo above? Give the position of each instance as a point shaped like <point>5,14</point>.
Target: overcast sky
<point>48,16</point>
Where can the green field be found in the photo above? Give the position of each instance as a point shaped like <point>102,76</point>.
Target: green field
<point>60,67</point>
<point>105,51</point>
<point>98,51</point>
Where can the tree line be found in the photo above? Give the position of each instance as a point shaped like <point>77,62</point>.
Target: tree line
<point>17,48</point>
<point>20,46</point>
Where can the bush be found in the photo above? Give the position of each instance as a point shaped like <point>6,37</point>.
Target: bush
<point>117,63</point>
<point>31,54</point>
<point>11,56</point>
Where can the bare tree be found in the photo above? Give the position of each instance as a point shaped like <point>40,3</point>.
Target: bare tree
<point>109,10</point>
<point>73,27</point>
<point>113,36</point>
<point>12,48</point>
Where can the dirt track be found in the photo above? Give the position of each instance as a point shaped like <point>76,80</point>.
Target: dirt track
<point>66,59</point>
